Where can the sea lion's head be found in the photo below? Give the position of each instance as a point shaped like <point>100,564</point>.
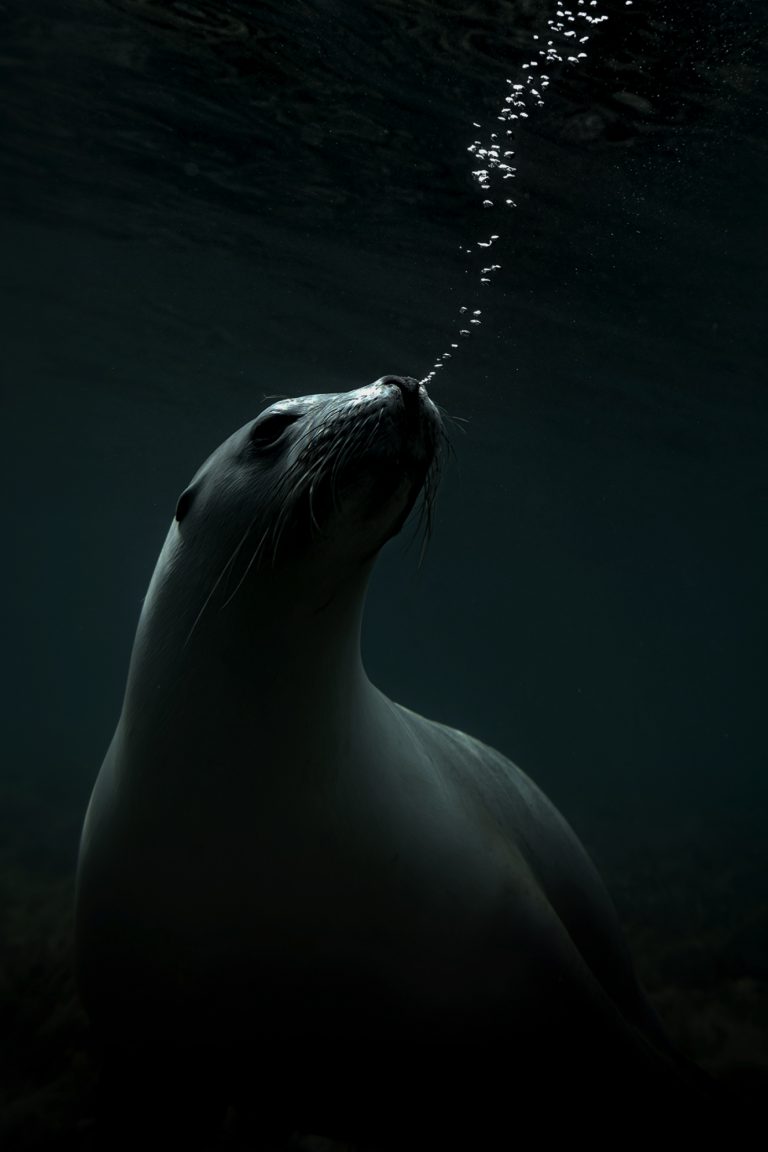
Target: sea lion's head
<point>316,484</point>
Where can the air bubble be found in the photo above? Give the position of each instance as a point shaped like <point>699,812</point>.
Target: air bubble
<point>565,34</point>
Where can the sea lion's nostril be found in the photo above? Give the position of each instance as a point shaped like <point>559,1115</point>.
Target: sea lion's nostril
<point>408,386</point>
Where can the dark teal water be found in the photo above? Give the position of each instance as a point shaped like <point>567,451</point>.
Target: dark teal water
<point>206,203</point>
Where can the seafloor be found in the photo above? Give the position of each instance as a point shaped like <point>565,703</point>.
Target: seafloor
<point>693,901</point>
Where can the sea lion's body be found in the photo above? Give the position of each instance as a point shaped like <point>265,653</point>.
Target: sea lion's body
<point>298,896</point>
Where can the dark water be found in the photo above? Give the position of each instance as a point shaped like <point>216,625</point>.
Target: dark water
<point>204,203</point>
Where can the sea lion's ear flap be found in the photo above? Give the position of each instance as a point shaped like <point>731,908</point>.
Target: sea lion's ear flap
<point>184,504</point>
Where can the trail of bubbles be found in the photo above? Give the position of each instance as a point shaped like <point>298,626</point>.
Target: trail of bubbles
<point>563,44</point>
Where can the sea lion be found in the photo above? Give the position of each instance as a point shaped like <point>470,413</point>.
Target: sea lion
<point>296,894</point>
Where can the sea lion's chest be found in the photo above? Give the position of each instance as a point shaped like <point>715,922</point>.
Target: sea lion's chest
<point>266,870</point>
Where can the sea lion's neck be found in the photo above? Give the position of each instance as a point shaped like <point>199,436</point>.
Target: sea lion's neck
<point>303,653</point>
<point>283,667</point>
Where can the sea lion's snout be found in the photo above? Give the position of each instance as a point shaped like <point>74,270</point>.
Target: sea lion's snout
<point>413,410</point>
<point>408,387</point>
<point>382,453</point>
<point>412,393</point>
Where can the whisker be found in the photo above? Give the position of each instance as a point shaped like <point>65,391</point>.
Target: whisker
<point>289,506</point>
<point>227,567</point>
<point>248,567</point>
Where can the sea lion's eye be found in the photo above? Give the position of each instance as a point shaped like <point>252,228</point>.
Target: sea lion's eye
<point>270,428</point>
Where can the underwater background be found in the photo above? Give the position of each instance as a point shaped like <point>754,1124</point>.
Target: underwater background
<point>204,204</point>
